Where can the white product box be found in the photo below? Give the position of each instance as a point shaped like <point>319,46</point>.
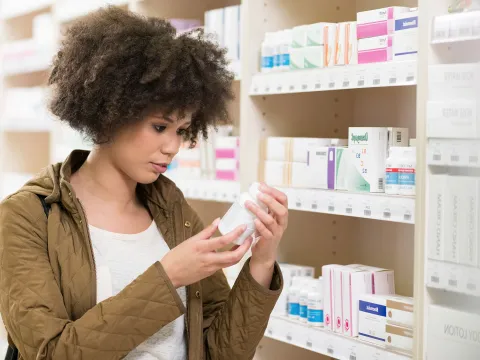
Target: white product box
<point>397,137</point>
<point>399,309</point>
<point>375,49</point>
<point>346,51</point>
<point>232,31</point>
<point>354,282</point>
<point>323,35</point>
<point>467,217</point>
<point>328,295</point>
<point>378,22</point>
<point>286,174</point>
<point>299,36</point>
<point>454,81</point>
<point>398,337</point>
<point>368,147</point>
<point>455,211</point>
<point>297,58</point>
<point>376,325</point>
<point>342,162</point>
<point>436,216</point>
<point>321,167</point>
<point>293,149</point>
<point>405,39</point>
<point>214,24</point>
<point>456,118</point>
<point>314,57</point>
<point>226,164</point>
<point>371,320</point>
<point>452,334</point>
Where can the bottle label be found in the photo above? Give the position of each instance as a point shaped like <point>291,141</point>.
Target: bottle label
<point>294,309</point>
<point>303,311</point>
<point>285,60</point>
<point>277,60</point>
<point>391,176</point>
<point>406,177</point>
<point>315,316</point>
<point>267,62</point>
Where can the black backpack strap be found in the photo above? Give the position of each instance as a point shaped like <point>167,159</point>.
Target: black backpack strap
<point>46,207</point>
<point>12,351</point>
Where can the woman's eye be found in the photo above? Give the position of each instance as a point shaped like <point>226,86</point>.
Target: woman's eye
<point>159,128</point>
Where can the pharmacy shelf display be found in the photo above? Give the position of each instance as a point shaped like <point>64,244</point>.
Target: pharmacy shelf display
<point>402,73</point>
<point>209,190</point>
<point>362,205</point>
<point>326,342</point>
<point>452,28</point>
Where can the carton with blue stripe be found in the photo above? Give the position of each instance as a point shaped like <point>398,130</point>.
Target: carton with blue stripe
<point>405,38</point>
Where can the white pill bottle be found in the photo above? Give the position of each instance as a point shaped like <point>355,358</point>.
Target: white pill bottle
<point>239,215</point>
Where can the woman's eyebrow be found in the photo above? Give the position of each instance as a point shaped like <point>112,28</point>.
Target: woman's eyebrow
<point>166,118</point>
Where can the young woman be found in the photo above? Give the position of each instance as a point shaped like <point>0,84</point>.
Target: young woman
<point>101,256</point>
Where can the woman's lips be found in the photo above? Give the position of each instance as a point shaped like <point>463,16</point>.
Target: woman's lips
<point>159,168</point>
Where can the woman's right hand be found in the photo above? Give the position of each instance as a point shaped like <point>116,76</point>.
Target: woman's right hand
<point>197,258</point>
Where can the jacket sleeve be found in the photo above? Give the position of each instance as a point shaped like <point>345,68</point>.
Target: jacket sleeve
<point>32,305</point>
<point>235,320</point>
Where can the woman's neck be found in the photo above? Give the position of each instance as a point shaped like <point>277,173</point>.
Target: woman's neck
<point>100,178</point>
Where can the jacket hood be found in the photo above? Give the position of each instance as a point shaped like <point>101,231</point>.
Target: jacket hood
<point>53,182</point>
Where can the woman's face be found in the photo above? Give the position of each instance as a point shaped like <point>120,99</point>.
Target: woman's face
<point>143,151</point>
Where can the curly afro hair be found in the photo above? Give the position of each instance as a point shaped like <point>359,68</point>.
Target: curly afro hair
<point>114,66</point>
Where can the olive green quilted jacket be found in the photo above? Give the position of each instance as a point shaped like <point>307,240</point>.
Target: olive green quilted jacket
<point>48,282</point>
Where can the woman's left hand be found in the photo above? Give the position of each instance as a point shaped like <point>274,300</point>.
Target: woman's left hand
<point>270,226</point>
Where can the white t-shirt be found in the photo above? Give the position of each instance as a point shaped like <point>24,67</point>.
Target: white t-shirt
<point>120,259</point>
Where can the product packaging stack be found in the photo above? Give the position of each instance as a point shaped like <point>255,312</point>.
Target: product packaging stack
<point>386,320</point>
<point>376,160</point>
<point>284,161</point>
<point>387,34</point>
<point>227,158</point>
<point>342,288</point>
<point>224,24</point>
<point>289,273</point>
<point>369,148</point>
<point>216,158</point>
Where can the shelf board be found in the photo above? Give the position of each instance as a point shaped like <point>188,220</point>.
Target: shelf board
<point>452,277</point>
<point>325,342</point>
<point>454,28</point>
<point>363,205</point>
<point>394,73</point>
<point>209,190</point>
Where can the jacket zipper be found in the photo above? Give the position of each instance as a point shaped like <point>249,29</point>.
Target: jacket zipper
<point>83,219</point>
<point>187,290</point>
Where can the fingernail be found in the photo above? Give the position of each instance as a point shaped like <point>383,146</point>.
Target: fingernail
<point>262,196</point>
<point>216,221</point>
<point>263,186</point>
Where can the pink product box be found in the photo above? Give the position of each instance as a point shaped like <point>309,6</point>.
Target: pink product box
<point>378,22</point>
<point>226,153</point>
<point>230,175</point>
<point>374,50</point>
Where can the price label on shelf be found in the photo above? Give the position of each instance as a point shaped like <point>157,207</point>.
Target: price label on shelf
<point>330,346</point>
<point>331,205</point>
<point>376,76</point>
<point>334,79</point>
<point>347,80</point>
<point>367,208</point>
<point>360,76</point>
<point>349,206</point>
<point>392,74</point>
<point>410,72</point>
